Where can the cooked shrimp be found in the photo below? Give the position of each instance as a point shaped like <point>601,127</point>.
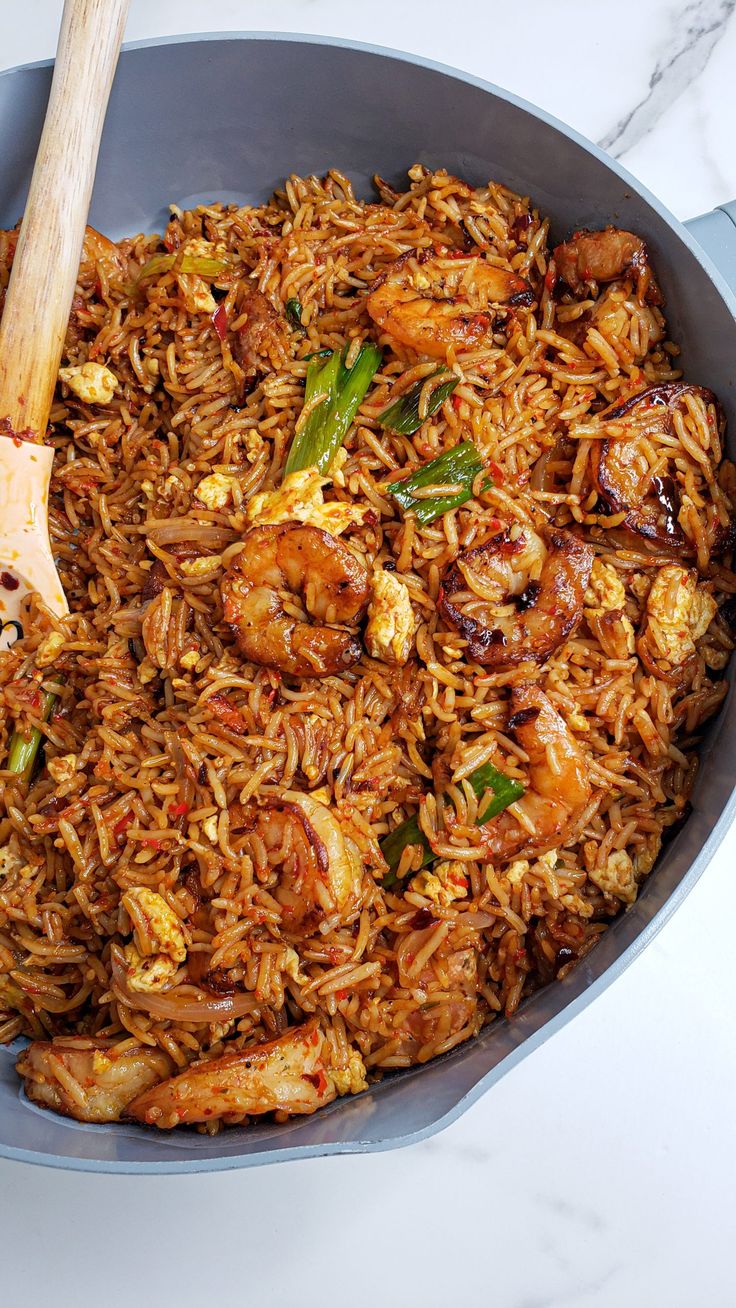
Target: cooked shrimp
<point>427,304</point>
<point>90,1080</point>
<point>261,327</point>
<point>322,572</point>
<point>456,970</point>
<point>100,250</point>
<point>319,869</point>
<point>288,1075</point>
<point>558,788</point>
<point>604,256</point>
<point>622,467</point>
<point>533,584</point>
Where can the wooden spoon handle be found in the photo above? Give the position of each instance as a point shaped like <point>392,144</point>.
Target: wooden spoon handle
<point>44,274</point>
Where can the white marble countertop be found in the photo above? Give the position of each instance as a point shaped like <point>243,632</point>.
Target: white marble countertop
<point>600,1172</point>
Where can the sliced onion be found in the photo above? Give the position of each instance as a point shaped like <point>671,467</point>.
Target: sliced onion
<point>479,919</point>
<point>194,1006</point>
<point>200,532</point>
<point>542,479</point>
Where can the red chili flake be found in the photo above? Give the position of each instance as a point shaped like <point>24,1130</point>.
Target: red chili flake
<point>228,713</point>
<point>219,321</point>
<point>17,437</point>
<point>497,473</point>
<point>178,810</point>
<point>317,1079</point>
<point>519,954</point>
<point>423,918</point>
<point>550,278</point>
<point>341,994</point>
<point>121,826</point>
<point>8,581</point>
<point>520,224</point>
<point>152,841</point>
<point>456,402</point>
<point>314,1038</point>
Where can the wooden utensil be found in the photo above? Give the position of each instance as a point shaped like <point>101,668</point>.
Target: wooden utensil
<point>39,297</point>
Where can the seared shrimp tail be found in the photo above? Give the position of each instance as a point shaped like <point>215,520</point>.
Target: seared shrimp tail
<point>442,303</point>
<point>559,784</point>
<point>90,1080</point>
<point>287,1075</point>
<point>303,561</point>
<point>528,617</point>
<point>604,256</point>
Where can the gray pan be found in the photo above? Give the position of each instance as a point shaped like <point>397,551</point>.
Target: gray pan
<point>227,117</point>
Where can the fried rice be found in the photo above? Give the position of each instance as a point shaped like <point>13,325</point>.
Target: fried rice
<point>194,880</point>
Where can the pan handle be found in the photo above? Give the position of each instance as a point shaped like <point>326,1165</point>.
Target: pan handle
<point>716,232</point>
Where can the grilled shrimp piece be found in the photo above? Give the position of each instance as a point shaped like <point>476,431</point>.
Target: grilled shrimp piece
<point>559,787</point>
<point>287,1075</point>
<point>261,327</point>
<point>621,466</point>
<point>604,256</point>
<point>320,868</point>
<point>534,586</point>
<point>89,1079</point>
<point>426,304</point>
<point>307,562</point>
<point>99,249</point>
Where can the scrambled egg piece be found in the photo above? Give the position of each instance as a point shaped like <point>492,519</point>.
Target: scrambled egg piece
<point>446,883</point>
<point>216,490</point>
<point>605,588</point>
<point>190,659</point>
<point>253,443</point>
<point>62,768</point>
<point>299,498</point>
<point>149,973</point>
<point>48,650</point>
<point>647,854</point>
<point>678,613</point>
<point>519,868</point>
<point>146,671</point>
<point>605,600</point>
<point>9,862</point>
<point>92,382</point>
<point>577,720</point>
<point>389,634</point>
<point>209,826</point>
<point>617,877</point>
<point>291,965</point>
<point>200,567</point>
<point>156,928</point>
<point>337,465</point>
<point>101,1062</point>
<point>352,1079</point>
<point>517,871</point>
<point>195,289</point>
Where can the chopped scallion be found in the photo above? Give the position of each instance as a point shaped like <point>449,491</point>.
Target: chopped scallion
<point>182,263</point>
<point>23,749</point>
<point>505,791</point>
<point>294,311</point>
<point>456,467</point>
<point>403,415</point>
<point>342,390</point>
